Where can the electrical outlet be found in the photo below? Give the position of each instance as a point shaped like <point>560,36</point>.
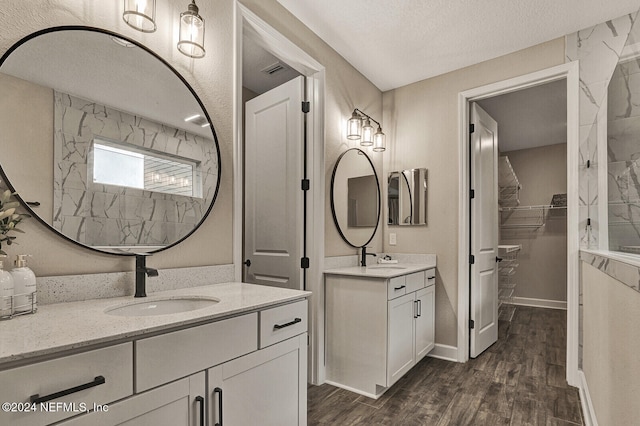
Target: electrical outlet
<point>392,239</point>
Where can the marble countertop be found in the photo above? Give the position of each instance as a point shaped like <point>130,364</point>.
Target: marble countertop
<point>381,270</point>
<point>67,326</point>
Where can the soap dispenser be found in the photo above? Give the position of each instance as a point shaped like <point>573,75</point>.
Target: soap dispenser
<point>24,285</point>
<point>6,292</point>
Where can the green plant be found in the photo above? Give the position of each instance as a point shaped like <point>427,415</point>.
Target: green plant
<point>9,219</point>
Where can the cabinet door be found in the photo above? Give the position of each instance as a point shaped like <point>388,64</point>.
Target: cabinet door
<point>266,387</point>
<point>425,317</point>
<point>401,355</point>
<point>180,403</point>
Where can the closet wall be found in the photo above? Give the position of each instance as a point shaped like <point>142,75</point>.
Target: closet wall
<point>542,270</point>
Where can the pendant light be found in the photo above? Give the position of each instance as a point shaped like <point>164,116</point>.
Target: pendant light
<point>140,15</point>
<point>367,133</point>
<point>356,130</point>
<point>191,42</point>
<point>354,126</point>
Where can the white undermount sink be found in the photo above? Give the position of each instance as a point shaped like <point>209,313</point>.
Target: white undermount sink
<point>382,266</point>
<point>161,306</point>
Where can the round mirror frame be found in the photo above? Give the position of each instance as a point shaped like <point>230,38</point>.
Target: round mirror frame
<point>25,204</point>
<point>333,209</point>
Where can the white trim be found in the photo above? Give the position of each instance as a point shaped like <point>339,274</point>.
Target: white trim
<point>358,391</point>
<point>446,352</point>
<point>284,49</point>
<point>539,303</point>
<point>570,71</point>
<point>588,411</point>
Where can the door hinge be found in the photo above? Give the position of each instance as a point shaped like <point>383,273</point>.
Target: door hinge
<point>306,184</point>
<point>472,128</point>
<point>473,193</point>
<point>472,324</point>
<point>306,106</point>
<point>304,263</point>
<point>472,259</point>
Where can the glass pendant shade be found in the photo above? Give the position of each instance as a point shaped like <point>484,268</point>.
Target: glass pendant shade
<point>367,134</point>
<point>354,127</point>
<point>140,15</point>
<point>191,32</point>
<point>379,143</point>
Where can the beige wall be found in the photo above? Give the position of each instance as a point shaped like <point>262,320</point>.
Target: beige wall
<point>421,121</point>
<point>542,270</point>
<point>212,79</point>
<point>611,345</point>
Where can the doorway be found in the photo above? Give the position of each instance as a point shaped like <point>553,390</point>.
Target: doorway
<point>247,24</point>
<point>527,203</point>
<point>569,73</point>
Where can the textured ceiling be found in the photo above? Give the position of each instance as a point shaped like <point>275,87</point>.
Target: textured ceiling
<point>395,43</point>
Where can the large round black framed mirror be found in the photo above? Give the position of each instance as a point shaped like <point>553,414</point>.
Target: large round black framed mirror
<point>355,197</point>
<point>104,142</point>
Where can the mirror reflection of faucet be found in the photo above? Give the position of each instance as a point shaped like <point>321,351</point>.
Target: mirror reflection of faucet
<point>363,256</point>
<point>142,272</point>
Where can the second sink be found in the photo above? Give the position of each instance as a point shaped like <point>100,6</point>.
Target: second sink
<point>161,306</point>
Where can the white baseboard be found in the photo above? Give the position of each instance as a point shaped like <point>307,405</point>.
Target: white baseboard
<point>539,303</point>
<point>446,352</point>
<point>588,412</point>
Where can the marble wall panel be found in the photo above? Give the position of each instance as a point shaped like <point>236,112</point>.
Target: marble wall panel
<point>117,215</point>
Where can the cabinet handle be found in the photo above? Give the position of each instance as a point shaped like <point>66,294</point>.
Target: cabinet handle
<point>37,399</point>
<point>399,288</point>
<point>415,309</point>
<point>419,307</point>
<point>200,400</point>
<point>279,326</point>
<point>219,392</point>
<point>431,278</point>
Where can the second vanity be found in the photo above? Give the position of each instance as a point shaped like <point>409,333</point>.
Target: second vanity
<point>380,323</point>
<point>242,357</point>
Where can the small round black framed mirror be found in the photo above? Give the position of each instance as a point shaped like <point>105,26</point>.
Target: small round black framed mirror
<point>104,142</point>
<point>355,197</point>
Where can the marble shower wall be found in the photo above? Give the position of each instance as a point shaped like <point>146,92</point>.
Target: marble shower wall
<point>106,215</point>
<point>598,51</point>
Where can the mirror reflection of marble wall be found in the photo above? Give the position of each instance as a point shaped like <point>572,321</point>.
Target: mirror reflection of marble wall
<point>107,215</point>
<point>623,149</point>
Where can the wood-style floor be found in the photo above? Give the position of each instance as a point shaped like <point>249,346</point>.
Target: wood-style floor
<point>520,380</point>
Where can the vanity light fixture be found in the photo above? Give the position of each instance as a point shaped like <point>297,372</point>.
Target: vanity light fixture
<point>359,128</point>
<point>140,15</point>
<point>191,42</point>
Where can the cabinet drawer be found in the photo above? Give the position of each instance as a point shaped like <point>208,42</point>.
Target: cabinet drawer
<point>415,281</point>
<point>396,287</point>
<point>283,322</point>
<point>430,276</point>
<point>161,359</point>
<point>114,364</point>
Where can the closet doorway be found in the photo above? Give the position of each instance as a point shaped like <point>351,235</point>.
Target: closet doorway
<point>538,113</point>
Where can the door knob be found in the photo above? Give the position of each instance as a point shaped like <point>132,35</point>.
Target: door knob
<point>498,259</point>
<point>247,262</point>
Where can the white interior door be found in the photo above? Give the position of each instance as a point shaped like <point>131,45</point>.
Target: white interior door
<point>273,216</point>
<point>484,231</point>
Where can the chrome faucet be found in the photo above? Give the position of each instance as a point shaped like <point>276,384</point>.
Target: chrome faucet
<point>142,272</point>
<point>363,260</point>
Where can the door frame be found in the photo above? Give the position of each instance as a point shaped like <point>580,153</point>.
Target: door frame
<point>570,72</point>
<point>274,42</point>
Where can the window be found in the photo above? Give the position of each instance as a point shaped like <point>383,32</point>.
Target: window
<point>125,165</point>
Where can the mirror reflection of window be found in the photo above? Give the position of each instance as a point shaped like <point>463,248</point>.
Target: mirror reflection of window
<point>151,171</point>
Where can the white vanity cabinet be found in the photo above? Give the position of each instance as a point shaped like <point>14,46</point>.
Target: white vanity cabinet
<point>179,403</point>
<point>254,363</point>
<point>377,328</point>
